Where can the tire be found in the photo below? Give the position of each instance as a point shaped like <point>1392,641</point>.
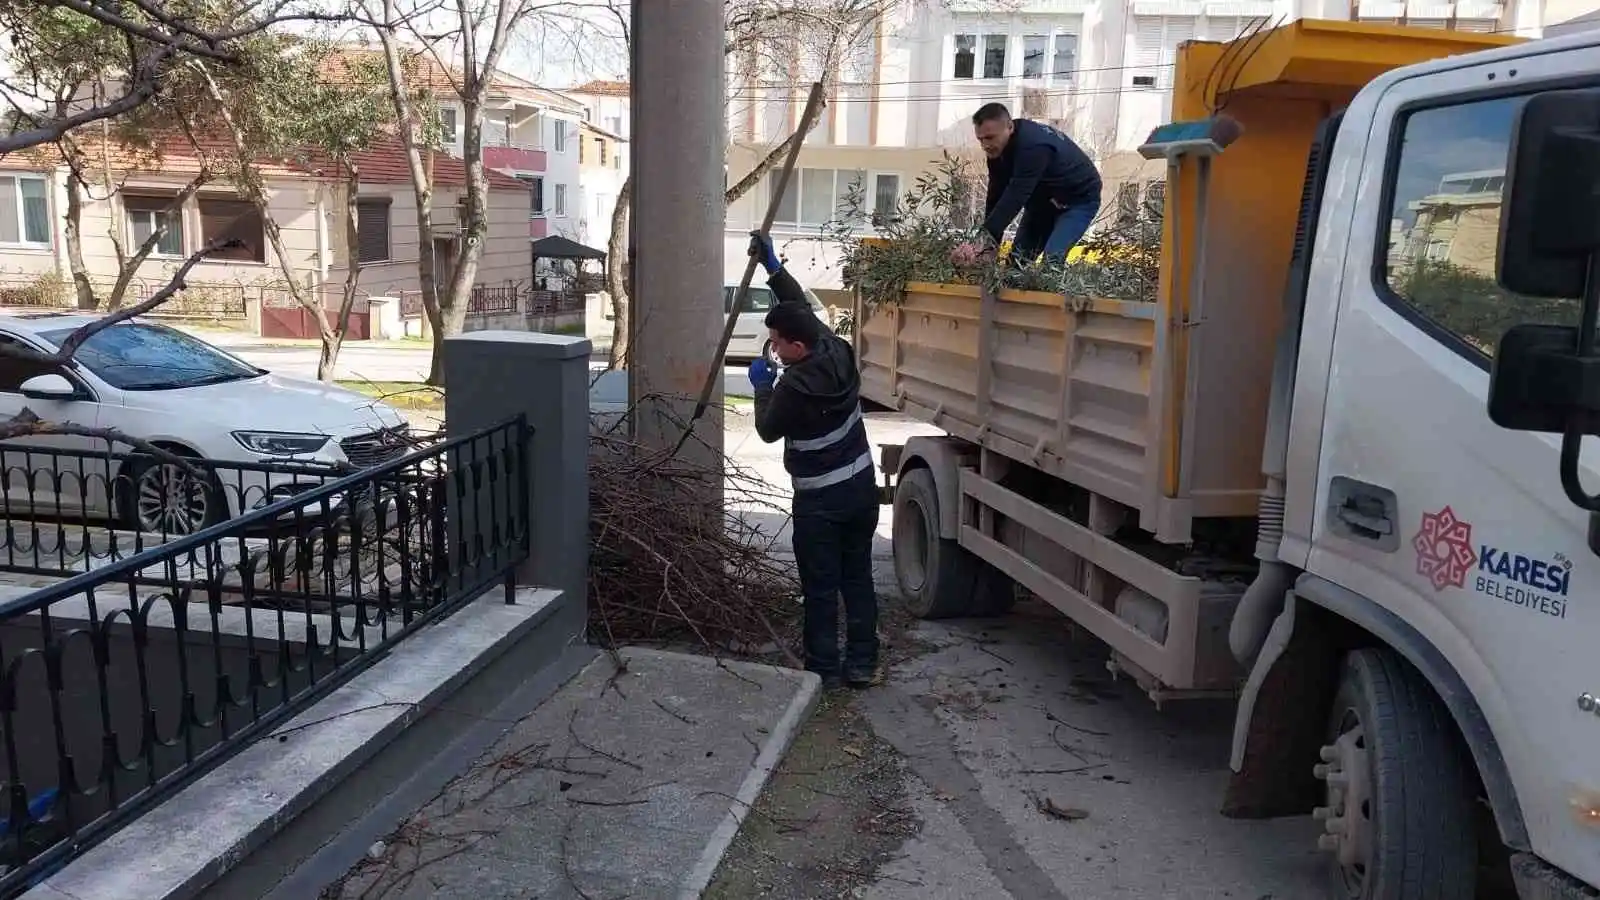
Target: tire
<point>1392,742</point>
<point>202,503</point>
<point>938,577</point>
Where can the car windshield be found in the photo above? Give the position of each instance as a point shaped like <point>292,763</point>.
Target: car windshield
<point>135,356</point>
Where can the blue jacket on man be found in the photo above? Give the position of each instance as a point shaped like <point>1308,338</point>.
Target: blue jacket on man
<point>1041,170</point>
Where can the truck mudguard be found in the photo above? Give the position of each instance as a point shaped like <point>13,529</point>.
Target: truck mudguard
<point>942,456</point>
<point>1469,718</point>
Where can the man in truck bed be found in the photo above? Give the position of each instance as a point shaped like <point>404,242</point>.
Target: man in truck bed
<point>816,410</point>
<point>1037,171</point>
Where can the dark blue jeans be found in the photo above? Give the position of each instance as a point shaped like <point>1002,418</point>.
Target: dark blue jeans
<point>1052,231</point>
<point>833,531</point>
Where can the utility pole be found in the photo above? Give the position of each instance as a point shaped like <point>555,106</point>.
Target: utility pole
<point>680,141</point>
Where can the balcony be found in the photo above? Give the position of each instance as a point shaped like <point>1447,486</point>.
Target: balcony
<point>518,157</point>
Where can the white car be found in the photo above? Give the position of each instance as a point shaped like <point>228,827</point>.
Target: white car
<point>750,332</point>
<point>178,392</point>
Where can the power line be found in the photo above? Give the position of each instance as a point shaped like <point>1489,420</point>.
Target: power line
<point>1067,73</point>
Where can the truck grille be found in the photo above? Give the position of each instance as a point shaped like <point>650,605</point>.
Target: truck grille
<point>374,448</point>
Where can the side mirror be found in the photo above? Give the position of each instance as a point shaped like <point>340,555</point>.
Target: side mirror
<point>48,387</point>
<point>1546,378</point>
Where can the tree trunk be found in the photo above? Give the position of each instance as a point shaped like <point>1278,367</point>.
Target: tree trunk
<point>74,238</point>
<point>329,357</point>
<point>421,169</point>
<point>616,277</point>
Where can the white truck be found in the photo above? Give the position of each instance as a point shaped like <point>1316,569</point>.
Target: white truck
<point>1281,480</point>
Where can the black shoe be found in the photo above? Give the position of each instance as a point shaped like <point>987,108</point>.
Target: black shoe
<point>864,678</point>
<point>832,683</point>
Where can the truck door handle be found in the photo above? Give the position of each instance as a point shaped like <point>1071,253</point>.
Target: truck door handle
<point>1376,524</point>
<point>1364,513</point>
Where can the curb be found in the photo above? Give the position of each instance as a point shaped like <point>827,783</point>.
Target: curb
<point>771,754</point>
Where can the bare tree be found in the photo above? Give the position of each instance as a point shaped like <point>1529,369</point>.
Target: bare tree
<point>792,43</point>
<point>465,57</point>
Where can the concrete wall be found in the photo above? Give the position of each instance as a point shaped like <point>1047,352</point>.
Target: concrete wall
<point>169,656</point>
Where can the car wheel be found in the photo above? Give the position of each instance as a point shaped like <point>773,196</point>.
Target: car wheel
<point>169,498</point>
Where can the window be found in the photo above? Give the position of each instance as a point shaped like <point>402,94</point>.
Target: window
<point>885,197</point>
<point>561,199</point>
<point>225,219</point>
<point>1155,48</point>
<point>600,145</point>
<point>966,47</point>
<point>149,214</point>
<point>560,135</point>
<point>14,370</point>
<point>372,229</point>
<point>614,124</point>
<point>1033,55</point>
<point>24,211</point>
<point>994,56</point>
<point>1065,62</point>
<point>535,194</point>
<point>582,155</point>
<point>447,124</point>
<point>821,196</point>
<point>1444,215</point>
<point>758,300</point>
<point>496,132</point>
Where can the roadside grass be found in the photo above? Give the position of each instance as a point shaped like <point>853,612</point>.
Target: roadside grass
<point>400,394</point>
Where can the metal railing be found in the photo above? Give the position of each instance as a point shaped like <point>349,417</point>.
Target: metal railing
<point>489,301</point>
<point>66,510</point>
<point>548,303</point>
<point>122,684</point>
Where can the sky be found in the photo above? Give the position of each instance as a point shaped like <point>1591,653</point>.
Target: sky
<point>1449,139</point>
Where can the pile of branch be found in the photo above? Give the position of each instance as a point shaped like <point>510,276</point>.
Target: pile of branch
<point>665,569</point>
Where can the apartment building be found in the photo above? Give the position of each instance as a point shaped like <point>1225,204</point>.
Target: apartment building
<point>602,167</point>
<point>1100,69</point>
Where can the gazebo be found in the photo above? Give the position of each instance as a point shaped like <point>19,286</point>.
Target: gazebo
<point>570,293</point>
<point>557,247</point>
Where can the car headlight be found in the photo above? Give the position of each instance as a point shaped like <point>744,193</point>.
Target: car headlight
<point>279,443</point>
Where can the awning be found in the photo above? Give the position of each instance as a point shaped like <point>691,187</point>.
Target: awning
<point>557,247</point>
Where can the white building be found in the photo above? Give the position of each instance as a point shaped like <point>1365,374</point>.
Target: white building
<point>1100,69</point>
<point>602,167</point>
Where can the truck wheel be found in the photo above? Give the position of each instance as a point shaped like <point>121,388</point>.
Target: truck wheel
<point>939,578</point>
<point>1399,799</point>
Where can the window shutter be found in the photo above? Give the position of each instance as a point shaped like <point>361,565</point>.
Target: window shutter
<point>1147,35</point>
<point>1178,30</point>
<point>372,230</point>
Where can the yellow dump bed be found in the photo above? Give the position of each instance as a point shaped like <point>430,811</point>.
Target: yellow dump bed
<point>1102,393</point>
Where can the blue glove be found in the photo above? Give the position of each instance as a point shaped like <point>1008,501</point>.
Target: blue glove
<point>761,248</point>
<point>761,374</point>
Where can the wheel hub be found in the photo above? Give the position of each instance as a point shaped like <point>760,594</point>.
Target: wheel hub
<point>1347,817</point>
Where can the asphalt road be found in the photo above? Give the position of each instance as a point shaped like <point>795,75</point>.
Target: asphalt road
<point>382,362</point>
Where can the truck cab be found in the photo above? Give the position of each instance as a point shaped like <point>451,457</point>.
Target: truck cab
<point>1411,640</point>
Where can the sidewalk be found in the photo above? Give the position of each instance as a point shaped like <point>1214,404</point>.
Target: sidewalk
<point>628,782</point>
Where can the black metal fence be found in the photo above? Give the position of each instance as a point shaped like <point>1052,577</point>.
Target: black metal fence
<point>123,683</point>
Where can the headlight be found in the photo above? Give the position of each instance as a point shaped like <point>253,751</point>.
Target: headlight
<point>279,443</point>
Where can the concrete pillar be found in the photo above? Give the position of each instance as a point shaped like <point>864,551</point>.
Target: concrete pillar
<point>677,222</point>
<point>494,375</point>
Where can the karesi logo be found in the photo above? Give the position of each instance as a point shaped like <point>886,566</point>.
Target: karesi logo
<point>1444,549</point>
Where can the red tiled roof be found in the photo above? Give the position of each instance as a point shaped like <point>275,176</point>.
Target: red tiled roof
<point>601,88</point>
<point>385,163</point>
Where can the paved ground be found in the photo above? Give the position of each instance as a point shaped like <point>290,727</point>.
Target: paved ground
<point>1001,761</point>
<point>623,784</point>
